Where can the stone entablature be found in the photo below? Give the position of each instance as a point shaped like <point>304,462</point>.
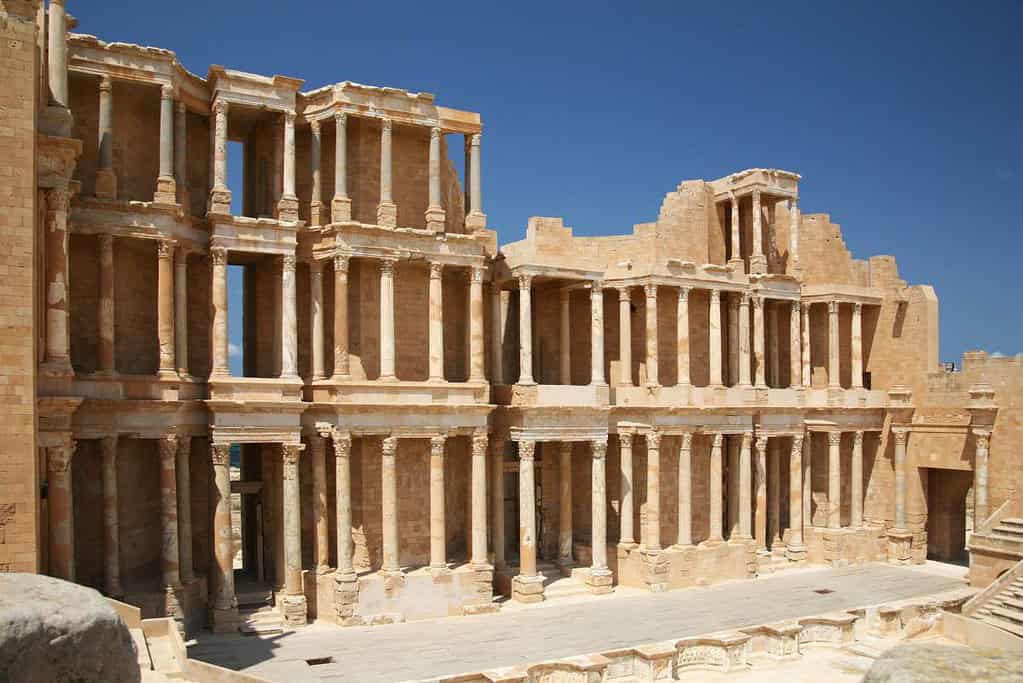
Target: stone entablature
<point>769,181</point>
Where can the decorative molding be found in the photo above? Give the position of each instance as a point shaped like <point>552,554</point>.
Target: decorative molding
<point>599,449</point>
<point>527,450</point>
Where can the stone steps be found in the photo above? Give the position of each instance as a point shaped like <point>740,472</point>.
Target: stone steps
<point>557,585</point>
<point>1009,625</point>
<point>260,621</point>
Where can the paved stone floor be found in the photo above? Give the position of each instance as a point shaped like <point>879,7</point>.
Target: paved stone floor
<point>447,646</point>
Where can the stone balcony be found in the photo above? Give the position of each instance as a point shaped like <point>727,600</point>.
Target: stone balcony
<point>710,397</point>
<point>259,389</point>
<point>119,386</point>
<point>370,392</point>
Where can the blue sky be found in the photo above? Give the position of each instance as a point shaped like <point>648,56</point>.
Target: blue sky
<point>903,118</point>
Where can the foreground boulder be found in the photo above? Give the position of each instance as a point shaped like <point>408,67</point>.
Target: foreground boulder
<point>52,630</point>
<point>930,663</point>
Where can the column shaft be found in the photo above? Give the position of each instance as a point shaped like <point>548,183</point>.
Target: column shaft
<point>111,524</point>
<point>218,256</point>
<point>389,499</point>
<point>343,504</point>
<point>834,480</point>
<point>626,535</point>
<point>181,311</point>
<point>57,53</point>
<point>223,535</point>
<point>60,504</point>
<point>434,179</point>
<point>794,229</point>
<point>106,303</point>
<point>387,211</point>
<point>106,178</point>
<point>497,320</point>
<point>476,325</point>
<point>220,196</point>
<point>289,326</point>
<point>318,452</point>
<point>341,368</point>
<point>683,336</point>
<point>833,377</point>
<point>760,531</point>
<point>796,494</point>
<point>183,470</point>
<point>795,350</point>
<point>901,434</point>
<point>527,510</point>
<point>805,356</point>
<point>438,549</point>
<point>476,176</point>
<point>771,338</point>
<point>744,354</point>
<point>315,168</point>
<point>169,512</point>
<point>745,490</point>
<point>316,317</point>
<point>652,518</point>
<point>715,489</point>
<point>56,230</point>
<point>857,346</point>
<point>733,339</point>
<point>758,340</point>
<point>758,230</point>
<point>774,495</point>
<point>341,205</point>
<point>714,326</point>
<point>436,339</point>
<point>165,307</point>
<point>980,476</point>
<point>625,336</point>
<point>565,509</point>
<point>387,320</point>
<point>736,234</point>
<point>598,498</point>
<point>685,490</point>
<point>497,499</point>
<point>565,340</point>
<point>167,134</point>
<point>597,332</point>
<point>293,606</point>
<point>525,330</point>
<point>289,154</point>
<point>478,556</point>
<point>857,481</point>
<point>652,378</point>
<point>808,480</point>
<point>181,153</point>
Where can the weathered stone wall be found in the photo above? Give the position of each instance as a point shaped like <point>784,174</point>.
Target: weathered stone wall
<point>84,276</point>
<point>136,347</point>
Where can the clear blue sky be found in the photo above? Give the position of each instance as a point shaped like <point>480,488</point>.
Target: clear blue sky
<point>904,118</point>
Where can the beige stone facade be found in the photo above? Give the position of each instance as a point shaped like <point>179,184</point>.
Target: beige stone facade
<point>425,419</point>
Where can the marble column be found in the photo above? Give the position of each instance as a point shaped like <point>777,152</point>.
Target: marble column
<point>106,177</point>
<point>833,376</point>
<point>857,346</point>
<point>626,535</point>
<point>771,339</point>
<point>808,479</point>
<point>220,195</point>
<point>796,550</point>
<point>436,329</point>
<point>476,325</point>
<point>685,490</point>
<point>106,304</point>
<point>166,186</point>
<point>497,498</point>
<point>745,488</point>
<point>389,500</point>
<point>625,336</point>
<point>733,339</point>
<point>736,233</point>
<point>111,524</point>
<point>565,506</point>
<point>794,229</point>
<point>834,480</point>
<point>181,155</point>
<point>438,545</point>
<point>980,476</point>
<point>321,525</point>
<point>341,367</point>
<point>293,607</point>
<point>760,521</point>
<point>715,489</point>
<point>744,351</point>
<point>758,340</point>
<point>599,580</point>
<point>476,220</point>
<point>58,343</point>
<point>343,504</point>
<point>478,556</point>
<point>597,333</point>
<point>758,262</point>
<point>527,586</point>
<point>795,362</point>
<point>435,214</point>
<point>287,206</point>
<point>805,355</point>
<point>218,255</point>
<point>289,326</point>
<point>57,53</point>
<point>683,336</point>
<point>856,475</point>
<point>387,210</point>
<point>652,378</point>
<point>715,338</point>
<point>60,504</point>
<point>525,330</point>
<point>181,311</point>
<point>317,211</point>
<point>165,307</point>
<point>387,321</point>
<point>774,495</point>
<point>316,317</point>
<point>169,558</point>
<point>651,532</point>
<point>183,469</point>
<point>341,204</point>
<point>901,435</point>
<point>497,327</point>
<point>225,604</point>
<point>565,337</point>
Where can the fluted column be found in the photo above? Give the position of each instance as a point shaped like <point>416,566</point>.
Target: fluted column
<point>169,558</point>
<point>316,317</point>
<point>497,499</point>
<point>181,311</point>
<point>857,346</point>
<point>57,53</point>
<point>436,329</point>
<point>166,186</point>
<point>387,321</point>
<point>317,214</point>
<point>289,329</point>
<point>599,580</point>
<point>341,367</point>
<point>833,377</point>
<point>652,519</point>
<point>805,355</point>
<point>744,352</point>
<point>343,504</point>
<point>597,332</point>
<point>774,495</point>
<point>834,480</point>
<point>106,303</point>
<point>683,336</point>
<point>387,210</point>
<point>795,362</point>
<point>218,256</point>
<point>318,453</point>
<point>287,207</point>
<point>438,549</point>
<point>980,476</point>
<point>736,233</point>
<point>293,605</point>
<point>565,338</point>
<point>715,489</point>
<point>225,604</point>
<point>796,549</point>
<point>525,330</point>
<point>476,220</point>
<point>165,307</point>
<point>685,490</point>
<point>389,500</point>
<point>745,489</point>
<point>758,340</point>
<point>626,535</point>
<point>758,262</point>
<point>857,481</point>
<point>111,524</point>
<point>625,336</point>
<point>478,556</point>
<point>476,325</point>
<point>106,177</point>
<point>220,195</point>
<point>715,338</point>
<point>341,204</point>
<point>181,155</point>
<point>652,378</point>
<point>435,214</point>
<point>901,435</point>
<point>183,471</point>
<point>565,502</point>
<point>60,506</point>
<point>760,521</point>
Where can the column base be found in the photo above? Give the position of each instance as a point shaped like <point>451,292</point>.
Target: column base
<point>387,215</point>
<point>340,209</point>
<point>287,209</point>
<point>224,620</point>
<point>757,264</point>
<point>166,191</point>
<point>435,218</point>
<point>600,581</point>
<point>655,570</point>
<point>346,599</point>
<point>317,214</point>
<point>795,552</point>
<point>900,544</point>
<point>737,264</point>
<point>106,184</point>
<point>527,588</point>
<point>476,220</point>
<point>219,202</point>
<point>294,610</point>
<point>483,587</point>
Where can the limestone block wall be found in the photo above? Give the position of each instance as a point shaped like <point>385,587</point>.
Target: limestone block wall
<point>689,227</point>
<point>823,255</point>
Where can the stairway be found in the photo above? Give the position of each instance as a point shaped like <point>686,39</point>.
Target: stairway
<point>1004,609</point>
<point>557,586</point>
<point>257,615</point>
<point>1010,528</point>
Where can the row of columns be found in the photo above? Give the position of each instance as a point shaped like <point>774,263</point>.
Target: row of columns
<point>758,260</point>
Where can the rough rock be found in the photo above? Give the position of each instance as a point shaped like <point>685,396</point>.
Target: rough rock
<point>920,663</point>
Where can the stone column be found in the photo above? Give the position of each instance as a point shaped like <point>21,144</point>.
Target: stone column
<point>683,336</point>
<point>565,509</point>
<point>181,155</point>
<point>771,338</point>
<point>625,336</point>
<point>476,325</point>
<point>106,303</point>
<point>760,522</point>
<point>715,489</point>
<point>808,479</point>
<point>736,233</point>
<point>497,321</point>
<point>387,210</point>
<point>316,317</point>
<point>833,377</point>
<point>218,256</point>
<point>438,550</point>
<point>389,499</point>
<point>289,329</point>
<point>387,321</point>
<point>225,604</point>
<point>293,607</point>
<point>857,346</point>
<point>184,486</point>
<point>435,214</point>
<point>805,356</point>
<point>341,368</point>
<point>794,229</point>
<point>60,503</point>
<point>287,207</point>
<point>857,481</point>
<point>758,262</point>
<point>796,550</point>
<point>169,559</point>
<point>651,532</point>
<point>774,496</point>
<point>478,556</point>
<point>685,490</point>
<point>834,480</point>
<point>525,330</point>
<point>744,354</point>
<point>106,177</point>
<point>733,339</point>
<point>599,581</point>
<point>341,204</point>
<point>57,53</point>
<point>715,338</point>
<point>111,525</point>
<point>745,489</point>
<point>652,378</point>
<point>343,503</point>
<point>597,333</point>
<point>626,536</point>
<point>901,435</point>
<point>497,498</point>
<point>58,356</point>
<point>980,476</point>
<point>565,339</point>
<point>476,220</point>
<point>181,311</point>
<point>795,363</point>
<point>165,307</point>
<point>317,211</point>
<point>220,195</point>
<point>166,186</point>
<point>527,586</point>
<point>758,340</point>
<point>436,340</point>
<point>318,451</point>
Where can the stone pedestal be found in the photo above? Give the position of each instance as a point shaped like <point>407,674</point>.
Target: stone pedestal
<point>757,264</point>
<point>435,219</point>
<point>219,202</point>
<point>476,221</point>
<point>106,184</point>
<point>900,543</point>
<point>527,588</point>
<point>655,571</point>
<point>317,214</point>
<point>600,581</point>
<point>483,587</point>
<point>166,191</point>
<point>287,209</point>
<point>293,610</point>
<point>341,209</point>
<point>387,215</point>
<point>346,599</point>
